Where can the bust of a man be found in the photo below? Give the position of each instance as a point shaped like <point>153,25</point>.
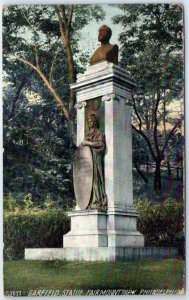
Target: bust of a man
<point>106,52</point>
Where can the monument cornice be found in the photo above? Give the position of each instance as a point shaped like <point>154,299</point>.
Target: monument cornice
<point>102,73</point>
<point>106,87</point>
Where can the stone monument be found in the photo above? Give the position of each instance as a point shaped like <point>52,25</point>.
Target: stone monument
<point>103,223</point>
<point>109,217</point>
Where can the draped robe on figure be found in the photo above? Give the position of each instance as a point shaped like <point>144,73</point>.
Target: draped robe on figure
<point>98,196</point>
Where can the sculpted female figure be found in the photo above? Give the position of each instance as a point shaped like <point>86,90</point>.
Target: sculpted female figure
<point>96,141</point>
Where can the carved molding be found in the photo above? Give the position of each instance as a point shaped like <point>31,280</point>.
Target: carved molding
<point>108,97</point>
<point>80,105</point>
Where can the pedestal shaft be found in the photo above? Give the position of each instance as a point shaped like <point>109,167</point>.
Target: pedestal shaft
<point>118,158</point>
<point>113,87</point>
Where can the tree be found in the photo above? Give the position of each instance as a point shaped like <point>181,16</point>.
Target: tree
<point>39,65</point>
<point>47,25</point>
<point>140,154</point>
<point>152,50</point>
<point>37,153</point>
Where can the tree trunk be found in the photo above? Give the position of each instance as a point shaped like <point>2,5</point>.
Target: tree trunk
<point>16,98</point>
<point>71,72</point>
<point>169,168</point>
<point>65,27</point>
<point>157,177</point>
<point>72,112</point>
<point>140,172</point>
<point>177,173</point>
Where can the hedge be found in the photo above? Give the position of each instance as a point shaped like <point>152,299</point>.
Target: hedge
<point>33,229</point>
<point>162,223</point>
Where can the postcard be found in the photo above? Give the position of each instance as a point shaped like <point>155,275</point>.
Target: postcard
<point>93,106</point>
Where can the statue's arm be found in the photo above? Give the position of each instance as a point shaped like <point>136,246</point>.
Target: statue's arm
<point>91,144</point>
<point>98,144</point>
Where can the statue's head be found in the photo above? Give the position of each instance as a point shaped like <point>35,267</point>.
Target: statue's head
<point>92,121</point>
<point>104,34</point>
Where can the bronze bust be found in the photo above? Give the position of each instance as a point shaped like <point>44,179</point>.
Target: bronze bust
<point>106,52</point>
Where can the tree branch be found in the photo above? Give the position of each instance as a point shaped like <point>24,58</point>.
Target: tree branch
<point>52,66</point>
<point>22,84</point>
<point>64,16</point>
<point>61,24</point>
<point>170,135</point>
<point>140,172</point>
<point>70,19</point>
<point>25,62</point>
<point>146,139</point>
<point>156,122</point>
<point>67,44</point>
<point>136,112</point>
<point>49,86</point>
<point>37,57</point>
<point>27,20</point>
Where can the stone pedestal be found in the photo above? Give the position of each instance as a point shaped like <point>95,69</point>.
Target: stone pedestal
<point>91,228</point>
<point>110,87</point>
<point>88,229</point>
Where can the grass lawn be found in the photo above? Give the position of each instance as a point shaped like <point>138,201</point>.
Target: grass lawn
<point>59,275</point>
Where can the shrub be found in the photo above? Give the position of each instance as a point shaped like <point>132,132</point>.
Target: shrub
<point>162,223</point>
<point>33,228</point>
<point>29,227</point>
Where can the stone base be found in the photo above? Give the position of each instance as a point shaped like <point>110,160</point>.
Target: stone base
<point>93,228</point>
<point>88,229</point>
<point>100,253</point>
<point>101,236</point>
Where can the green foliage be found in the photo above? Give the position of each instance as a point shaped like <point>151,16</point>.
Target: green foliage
<point>37,146</point>
<point>152,44</point>
<point>152,51</point>
<point>33,228</point>
<point>9,203</point>
<point>162,223</point>
<point>40,24</point>
<point>151,47</point>
<point>171,188</point>
<point>28,203</point>
<point>37,151</point>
